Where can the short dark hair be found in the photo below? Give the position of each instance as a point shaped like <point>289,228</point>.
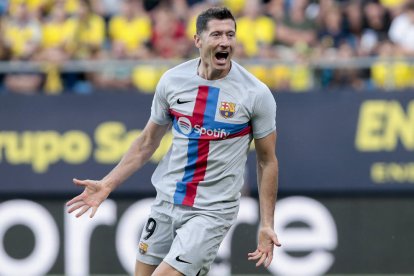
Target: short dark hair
<point>409,6</point>
<point>219,13</point>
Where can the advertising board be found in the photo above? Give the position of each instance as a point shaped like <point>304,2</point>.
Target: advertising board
<point>319,236</point>
<point>329,143</point>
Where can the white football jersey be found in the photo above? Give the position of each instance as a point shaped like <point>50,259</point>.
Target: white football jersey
<point>213,123</point>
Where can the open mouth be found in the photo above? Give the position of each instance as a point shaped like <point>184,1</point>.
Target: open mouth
<point>222,56</point>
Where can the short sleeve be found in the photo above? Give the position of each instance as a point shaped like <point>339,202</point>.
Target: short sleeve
<point>264,115</point>
<point>160,109</point>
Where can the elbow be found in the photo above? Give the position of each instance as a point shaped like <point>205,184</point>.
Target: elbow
<point>268,163</point>
<point>149,146</point>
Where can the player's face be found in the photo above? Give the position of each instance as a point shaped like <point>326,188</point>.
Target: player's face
<point>217,43</point>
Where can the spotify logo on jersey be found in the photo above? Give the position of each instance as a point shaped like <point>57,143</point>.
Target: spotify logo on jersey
<point>184,125</point>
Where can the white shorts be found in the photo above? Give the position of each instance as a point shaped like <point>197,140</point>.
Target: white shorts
<point>184,237</point>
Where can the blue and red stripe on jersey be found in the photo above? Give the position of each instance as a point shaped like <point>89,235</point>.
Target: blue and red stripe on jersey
<point>199,143</point>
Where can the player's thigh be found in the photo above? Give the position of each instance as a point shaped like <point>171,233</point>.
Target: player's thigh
<point>142,269</point>
<point>165,269</point>
<point>157,236</point>
<point>197,241</point>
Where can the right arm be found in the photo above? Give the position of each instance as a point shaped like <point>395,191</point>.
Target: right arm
<point>138,154</point>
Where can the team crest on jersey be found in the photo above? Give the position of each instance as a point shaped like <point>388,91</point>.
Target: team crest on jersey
<point>143,247</point>
<point>227,109</point>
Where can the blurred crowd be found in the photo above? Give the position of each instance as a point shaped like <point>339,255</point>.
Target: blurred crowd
<point>297,36</point>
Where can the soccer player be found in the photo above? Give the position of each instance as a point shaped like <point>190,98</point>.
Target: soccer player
<point>216,108</point>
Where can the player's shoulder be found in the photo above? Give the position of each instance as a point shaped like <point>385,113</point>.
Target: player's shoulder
<point>188,67</point>
<point>180,74</point>
<point>250,82</point>
<point>181,71</point>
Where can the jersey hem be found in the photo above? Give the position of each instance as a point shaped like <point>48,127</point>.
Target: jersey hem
<point>211,207</point>
<point>263,134</point>
<point>159,121</point>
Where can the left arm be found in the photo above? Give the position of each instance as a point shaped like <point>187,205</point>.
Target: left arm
<point>267,176</point>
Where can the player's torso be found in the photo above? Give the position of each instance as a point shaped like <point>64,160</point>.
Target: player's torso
<point>212,132</point>
<point>209,110</point>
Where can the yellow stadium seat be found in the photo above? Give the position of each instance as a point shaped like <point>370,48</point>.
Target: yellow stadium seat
<point>379,73</point>
<point>260,72</point>
<point>301,78</point>
<point>402,74</point>
<point>191,28</point>
<point>236,6</point>
<point>390,75</point>
<point>280,75</point>
<point>146,77</point>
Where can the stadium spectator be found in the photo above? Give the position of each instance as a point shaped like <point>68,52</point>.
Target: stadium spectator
<point>58,35</point>
<point>191,21</point>
<point>236,6</point>
<point>90,32</point>
<point>276,9</point>
<point>346,76</point>
<point>37,8</point>
<point>3,56</point>
<point>353,21</point>
<point>180,8</point>
<point>3,8</point>
<point>377,22</point>
<point>402,30</point>
<point>106,8</point>
<point>113,77</point>
<point>131,29</point>
<point>21,35</point>
<point>88,41</point>
<point>323,7</point>
<point>395,7</point>
<point>71,7</point>
<point>255,31</point>
<point>332,32</point>
<point>296,28</point>
<point>58,46</point>
<point>168,38</point>
<point>3,51</point>
<point>143,29</point>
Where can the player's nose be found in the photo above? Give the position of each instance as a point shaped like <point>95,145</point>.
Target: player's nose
<point>224,41</point>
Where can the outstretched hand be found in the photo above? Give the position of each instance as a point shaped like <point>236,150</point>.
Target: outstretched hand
<point>264,252</point>
<point>93,195</point>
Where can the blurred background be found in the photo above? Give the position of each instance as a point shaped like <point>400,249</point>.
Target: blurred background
<point>76,85</point>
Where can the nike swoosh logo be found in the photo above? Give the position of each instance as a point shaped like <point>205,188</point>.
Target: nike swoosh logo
<point>182,102</point>
<point>180,260</point>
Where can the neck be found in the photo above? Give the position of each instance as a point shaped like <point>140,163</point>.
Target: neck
<point>205,71</point>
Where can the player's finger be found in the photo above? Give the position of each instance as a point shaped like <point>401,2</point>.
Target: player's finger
<point>74,200</point>
<point>76,206</point>
<point>269,259</point>
<point>262,259</point>
<point>255,257</point>
<point>276,242</point>
<point>94,209</point>
<point>83,211</point>
<point>253,253</point>
<point>80,182</point>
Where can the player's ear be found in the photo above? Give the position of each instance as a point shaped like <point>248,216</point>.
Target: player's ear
<point>197,41</point>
